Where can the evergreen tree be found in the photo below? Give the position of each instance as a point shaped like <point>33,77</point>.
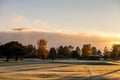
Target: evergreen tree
<point>52,53</point>
<point>60,52</point>
<point>30,50</point>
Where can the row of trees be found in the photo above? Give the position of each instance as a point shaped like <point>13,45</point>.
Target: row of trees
<point>64,52</point>
<point>69,52</point>
<point>113,54</point>
<point>17,50</point>
<point>86,52</point>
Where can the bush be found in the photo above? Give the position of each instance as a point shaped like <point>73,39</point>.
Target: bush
<point>94,57</point>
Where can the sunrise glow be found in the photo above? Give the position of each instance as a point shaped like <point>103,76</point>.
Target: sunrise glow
<point>59,39</point>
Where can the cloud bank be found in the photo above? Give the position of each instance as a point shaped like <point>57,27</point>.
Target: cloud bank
<point>57,39</point>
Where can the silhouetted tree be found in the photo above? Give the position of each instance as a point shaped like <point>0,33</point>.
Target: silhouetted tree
<point>74,54</point>
<point>12,48</point>
<point>30,50</point>
<point>60,52</point>
<point>106,53</point>
<point>66,52</point>
<point>99,53</point>
<point>70,47</point>
<point>52,53</point>
<point>2,50</point>
<point>115,54</point>
<point>78,51</point>
<point>94,51</point>
<point>42,51</point>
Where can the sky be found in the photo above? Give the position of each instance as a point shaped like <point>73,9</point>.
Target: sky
<point>69,16</point>
<point>98,19</point>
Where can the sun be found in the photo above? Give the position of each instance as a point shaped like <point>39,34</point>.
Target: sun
<point>115,42</point>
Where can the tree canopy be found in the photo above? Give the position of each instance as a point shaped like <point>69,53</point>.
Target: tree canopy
<point>13,48</point>
<point>42,51</point>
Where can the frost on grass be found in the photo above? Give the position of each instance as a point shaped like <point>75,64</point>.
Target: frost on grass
<point>60,70</point>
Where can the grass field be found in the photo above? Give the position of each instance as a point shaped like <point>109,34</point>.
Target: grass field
<point>35,69</point>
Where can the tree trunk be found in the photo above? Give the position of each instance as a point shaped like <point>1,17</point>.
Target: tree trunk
<point>7,59</point>
<point>16,58</point>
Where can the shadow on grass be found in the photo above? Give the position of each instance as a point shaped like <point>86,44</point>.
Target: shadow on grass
<point>72,78</point>
<point>98,77</point>
<point>27,62</point>
<point>84,78</point>
<point>86,63</point>
<point>33,69</point>
<point>29,69</point>
<point>48,76</point>
<point>101,78</point>
<point>23,62</point>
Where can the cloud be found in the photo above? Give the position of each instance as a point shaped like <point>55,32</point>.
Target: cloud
<point>21,20</point>
<point>18,20</point>
<point>25,30</point>
<point>39,22</point>
<point>57,39</point>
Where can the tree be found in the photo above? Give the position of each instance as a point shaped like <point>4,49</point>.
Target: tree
<point>78,51</point>
<point>12,48</point>
<point>2,49</point>
<point>74,54</point>
<point>115,54</point>
<point>66,52</point>
<point>94,51</point>
<point>70,47</point>
<point>52,53</point>
<point>42,51</point>
<point>99,53</point>
<point>30,50</point>
<point>106,53</point>
<point>60,51</point>
<point>86,50</point>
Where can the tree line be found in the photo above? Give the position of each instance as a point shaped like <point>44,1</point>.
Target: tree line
<point>20,51</point>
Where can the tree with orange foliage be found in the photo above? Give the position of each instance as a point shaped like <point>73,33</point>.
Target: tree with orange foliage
<point>86,50</point>
<point>42,52</point>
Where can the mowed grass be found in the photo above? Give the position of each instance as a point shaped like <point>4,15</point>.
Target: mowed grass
<point>35,69</point>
